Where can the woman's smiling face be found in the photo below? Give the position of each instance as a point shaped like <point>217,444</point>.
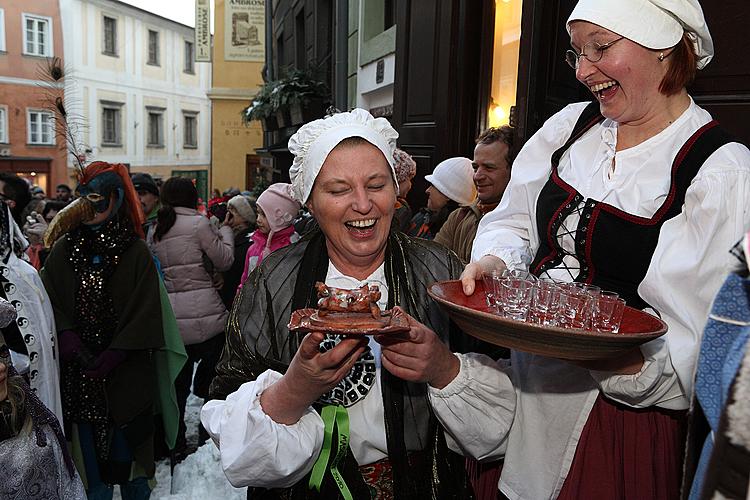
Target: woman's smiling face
<point>353,201</point>
<point>625,80</point>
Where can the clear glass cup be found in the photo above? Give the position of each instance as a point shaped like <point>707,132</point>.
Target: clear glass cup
<point>592,290</point>
<point>575,308</point>
<point>520,274</point>
<point>492,290</point>
<point>516,298</point>
<point>545,297</point>
<point>608,312</point>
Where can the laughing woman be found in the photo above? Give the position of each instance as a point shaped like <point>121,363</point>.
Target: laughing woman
<point>274,383</point>
<point>639,192</point>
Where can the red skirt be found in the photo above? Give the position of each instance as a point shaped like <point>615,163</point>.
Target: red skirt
<point>627,453</point>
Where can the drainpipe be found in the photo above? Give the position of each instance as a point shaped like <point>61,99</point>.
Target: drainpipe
<point>269,40</point>
<point>341,68</point>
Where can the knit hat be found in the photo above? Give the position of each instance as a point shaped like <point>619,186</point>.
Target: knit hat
<point>406,167</point>
<point>279,205</point>
<point>144,182</point>
<point>454,178</point>
<point>242,205</point>
<point>655,24</point>
<point>280,209</point>
<point>315,140</point>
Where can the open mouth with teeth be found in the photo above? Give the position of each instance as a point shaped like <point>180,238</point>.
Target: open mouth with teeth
<point>605,90</point>
<point>363,227</point>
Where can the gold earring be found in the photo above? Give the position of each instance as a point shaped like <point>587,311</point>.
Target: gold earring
<point>661,57</point>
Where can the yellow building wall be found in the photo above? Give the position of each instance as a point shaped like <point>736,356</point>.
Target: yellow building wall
<point>233,85</point>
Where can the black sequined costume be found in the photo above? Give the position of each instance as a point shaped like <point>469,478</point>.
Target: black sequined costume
<point>103,286</point>
<point>94,255</point>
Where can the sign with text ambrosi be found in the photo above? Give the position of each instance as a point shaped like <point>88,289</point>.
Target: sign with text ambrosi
<point>245,30</point>
<point>203,30</point>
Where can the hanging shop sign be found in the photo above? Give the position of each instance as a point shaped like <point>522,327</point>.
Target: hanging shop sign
<point>203,30</point>
<point>245,30</point>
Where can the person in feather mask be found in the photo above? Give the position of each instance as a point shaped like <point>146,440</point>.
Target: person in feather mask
<point>104,290</point>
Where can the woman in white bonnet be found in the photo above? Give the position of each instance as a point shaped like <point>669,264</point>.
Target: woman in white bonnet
<point>272,386</point>
<point>641,193</point>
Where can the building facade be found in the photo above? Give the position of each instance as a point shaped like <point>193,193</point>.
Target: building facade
<point>235,81</point>
<point>136,86</point>
<point>30,35</point>
<point>372,55</point>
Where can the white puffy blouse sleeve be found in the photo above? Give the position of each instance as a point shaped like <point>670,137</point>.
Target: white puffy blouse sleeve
<point>509,231</point>
<point>477,408</point>
<point>689,265</point>
<point>254,449</point>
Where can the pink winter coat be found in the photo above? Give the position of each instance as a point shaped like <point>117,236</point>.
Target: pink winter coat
<point>254,254</point>
<point>181,252</point>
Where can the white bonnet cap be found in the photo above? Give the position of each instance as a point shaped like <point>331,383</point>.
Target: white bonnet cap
<point>655,24</point>
<point>454,178</point>
<point>314,141</point>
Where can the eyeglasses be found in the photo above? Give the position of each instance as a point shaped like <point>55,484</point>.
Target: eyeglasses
<point>592,51</point>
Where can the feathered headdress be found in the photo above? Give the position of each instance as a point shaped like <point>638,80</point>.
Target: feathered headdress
<point>55,87</point>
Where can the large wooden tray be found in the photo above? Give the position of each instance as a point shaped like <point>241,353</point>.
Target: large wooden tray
<point>472,315</point>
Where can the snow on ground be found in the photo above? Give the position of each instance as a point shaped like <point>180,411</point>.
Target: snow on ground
<point>199,476</point>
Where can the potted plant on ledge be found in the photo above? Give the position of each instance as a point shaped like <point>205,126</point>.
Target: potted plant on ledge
<point>302,95</point>
<point>295,99</point>
<point>262,108</point>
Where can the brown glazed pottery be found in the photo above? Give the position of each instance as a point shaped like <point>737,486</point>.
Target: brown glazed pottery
<point>472,315</point>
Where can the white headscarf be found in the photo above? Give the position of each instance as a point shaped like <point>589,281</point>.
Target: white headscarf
<point>315,140</point>
<point>655,24</point>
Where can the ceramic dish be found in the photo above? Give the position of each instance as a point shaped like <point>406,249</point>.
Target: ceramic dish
<point>301,321</point>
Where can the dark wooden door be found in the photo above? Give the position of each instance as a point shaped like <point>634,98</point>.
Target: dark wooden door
<point>252,170</point>
<point>546,83</point>
<point>723,87</point>
<point>437,81</point>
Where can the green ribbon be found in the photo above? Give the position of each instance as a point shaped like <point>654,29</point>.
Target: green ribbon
<point>330,415</point>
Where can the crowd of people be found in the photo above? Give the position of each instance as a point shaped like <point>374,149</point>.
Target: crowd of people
<point>122,296</point>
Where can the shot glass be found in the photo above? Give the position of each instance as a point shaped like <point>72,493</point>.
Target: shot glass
<point>520,274</point>
<point>545,297</point>
<point>575,309</point>
<point>592,290</point>
<point>516,298</point>
<point>608,312</point>
<point>492,290</point>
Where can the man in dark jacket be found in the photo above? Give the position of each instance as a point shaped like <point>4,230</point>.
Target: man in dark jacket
<point>148,194</point>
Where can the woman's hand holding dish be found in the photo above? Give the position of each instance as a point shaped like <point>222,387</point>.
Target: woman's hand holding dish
<point>418,356</point>
<point>310,375</point>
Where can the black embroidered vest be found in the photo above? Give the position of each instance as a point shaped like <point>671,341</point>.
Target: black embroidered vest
<point>614,247</point>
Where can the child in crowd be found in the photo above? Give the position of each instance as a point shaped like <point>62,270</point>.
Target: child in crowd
<point>276,212</point>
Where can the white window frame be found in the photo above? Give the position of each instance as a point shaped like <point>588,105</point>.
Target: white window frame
<point>2,30</point>
<point>157,58</point>
<point>189,62</point>
<point>48,46</point>
<point>114,52</point>
<point>4,124</point>
<point>30,122</point>
<point>185,116</point>
<point>117,107</point>
<point>153,110</point>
